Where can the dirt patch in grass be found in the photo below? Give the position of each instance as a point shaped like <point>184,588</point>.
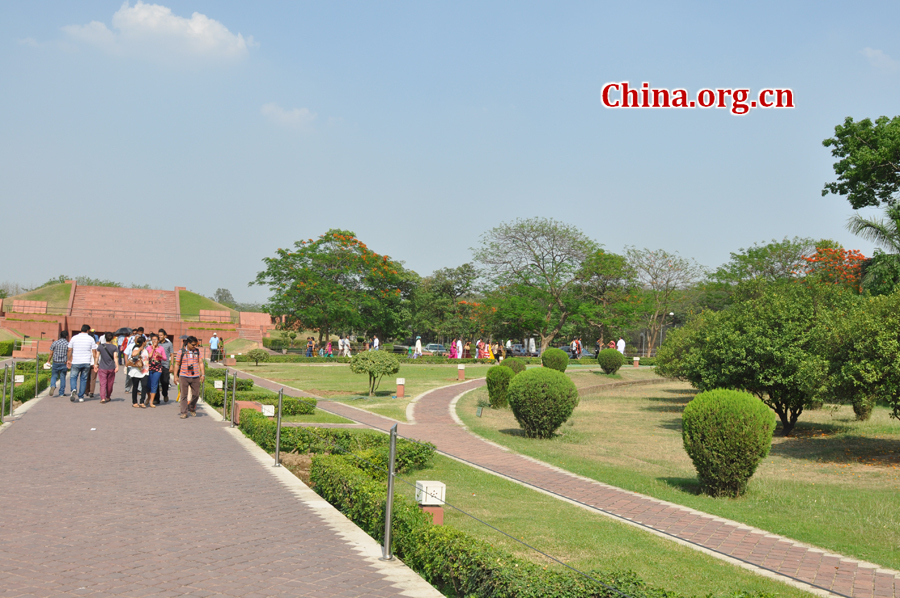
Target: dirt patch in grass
<point>299,465</point>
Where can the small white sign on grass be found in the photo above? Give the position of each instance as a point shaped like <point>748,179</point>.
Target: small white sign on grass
<point>217,384</point>
<point>20,378</point>
<point>268,410</point>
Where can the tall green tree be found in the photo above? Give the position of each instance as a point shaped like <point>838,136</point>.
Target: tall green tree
<point>543,258</point>
<point>766,345</point>
<point>334,283</point>
<point>773,261</point>
<point>438,310</point>
<point>868,161</point>
<point>663,278</point>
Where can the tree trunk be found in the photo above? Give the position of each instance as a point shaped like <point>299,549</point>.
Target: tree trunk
<point>546,340</point>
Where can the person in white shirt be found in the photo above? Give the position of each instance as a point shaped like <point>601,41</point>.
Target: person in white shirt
<point>80,359</point>
<point>347,346</point>
<point>418,351</point>
<point>620,345</point>
<point>375,343</point>
<point>459,349</point>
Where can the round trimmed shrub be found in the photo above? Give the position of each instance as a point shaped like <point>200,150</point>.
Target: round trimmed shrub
<point>542,399</point>
<point>555,359</point>
<point>726,433</point>
<point>610,360</point>
<point>498,378</point>
<point>515,364</point>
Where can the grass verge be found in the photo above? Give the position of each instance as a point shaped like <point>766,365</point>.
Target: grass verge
<point>191,304</point>
<point>579,538</point>
<point>336,382</point>
<point>834,484</point>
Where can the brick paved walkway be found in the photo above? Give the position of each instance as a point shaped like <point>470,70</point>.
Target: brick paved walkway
<point>775,556</point>
<point>107,500</point>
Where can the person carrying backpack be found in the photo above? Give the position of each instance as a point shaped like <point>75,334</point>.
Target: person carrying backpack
<point>189,371</point>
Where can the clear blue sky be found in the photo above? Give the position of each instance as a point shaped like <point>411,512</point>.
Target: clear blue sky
<point>149,130</point>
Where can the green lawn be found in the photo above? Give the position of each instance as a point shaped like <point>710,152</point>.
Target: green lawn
<point>337,383</point>
<point>834,484</point>
<point>240,345</point>
<point>192,303</point>
<point>579,538</point>
<point>56,296</point>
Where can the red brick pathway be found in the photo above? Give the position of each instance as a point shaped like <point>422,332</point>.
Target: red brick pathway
<point>107,500</point>
<point>770,554</point>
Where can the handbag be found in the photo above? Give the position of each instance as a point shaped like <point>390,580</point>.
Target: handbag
<point>134,363</point>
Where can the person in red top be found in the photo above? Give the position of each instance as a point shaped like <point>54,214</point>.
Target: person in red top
<point>189,373</point>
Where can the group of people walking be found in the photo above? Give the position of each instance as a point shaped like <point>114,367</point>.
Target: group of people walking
<point>150,361</point>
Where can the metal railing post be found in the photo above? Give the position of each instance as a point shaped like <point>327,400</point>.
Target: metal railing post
<point>233,393</point>
<point>386,554</point>
<point>278,431</point>
<point>225,399</point>
<point>3,398</point>
<point>12,388</point>
<point>37,370</point>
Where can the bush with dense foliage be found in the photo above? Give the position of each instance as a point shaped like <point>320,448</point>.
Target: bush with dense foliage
<point>25,390</point>
<point>610,360</point>
<point>863,353</point>
<point>555,359</point>
<point>454,562</point>
<point>765,344</point>
<point>514,363</point>
<point>289,405</point>
<point>376,364</point>
<point>6,348</point>
<point>258,355</point>
<point>726,433</point>
<point>542,399</point>
<point>498,378</point>
<point>261,430</point>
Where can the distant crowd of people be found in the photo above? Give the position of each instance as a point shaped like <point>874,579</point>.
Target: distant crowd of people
<point>150,361</point>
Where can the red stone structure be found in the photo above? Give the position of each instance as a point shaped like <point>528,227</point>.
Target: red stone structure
<point>110,308</point>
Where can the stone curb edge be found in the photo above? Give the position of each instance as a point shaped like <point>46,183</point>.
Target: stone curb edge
<point>395,572</point>
<point>718,555</point>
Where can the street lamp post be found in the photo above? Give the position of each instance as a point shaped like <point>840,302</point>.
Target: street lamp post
<point>662,330</point>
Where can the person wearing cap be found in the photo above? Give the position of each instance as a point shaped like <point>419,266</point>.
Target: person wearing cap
<point>214,347</point>
<point>418,351</point>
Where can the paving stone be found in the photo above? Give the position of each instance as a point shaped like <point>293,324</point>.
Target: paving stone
<point>781,556</point>
<point>107,500</point>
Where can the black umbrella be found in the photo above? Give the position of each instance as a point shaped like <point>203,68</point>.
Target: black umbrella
<point>183,337</point>
<point>124,331</point>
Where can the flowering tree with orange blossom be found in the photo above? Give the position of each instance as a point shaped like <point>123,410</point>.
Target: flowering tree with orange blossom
<point>836,265</point>
<point>334,284</point>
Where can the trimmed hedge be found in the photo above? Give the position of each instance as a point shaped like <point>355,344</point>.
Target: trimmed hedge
<point>498,378</point>
<point>542,399</point>
<point>515,364</point>
<point>555,359</point>
<point>610,360</point>
<point>454,562</point>
<point>289,405</point>
<point>726,433</point>
<point>261,430</point>
<point>6,348</point>
<point>25,390</point>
